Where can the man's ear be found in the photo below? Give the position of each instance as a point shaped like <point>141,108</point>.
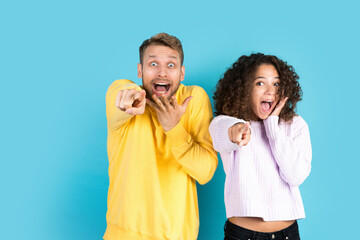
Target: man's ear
<point>182,74</point>
<point>139,68</point>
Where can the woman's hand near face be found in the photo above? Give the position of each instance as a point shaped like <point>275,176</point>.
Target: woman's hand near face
<point>279,107</point>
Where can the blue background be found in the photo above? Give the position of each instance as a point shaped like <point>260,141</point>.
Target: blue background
<point>57,59</point>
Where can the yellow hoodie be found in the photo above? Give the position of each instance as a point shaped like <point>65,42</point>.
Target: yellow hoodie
<point>152,192</point>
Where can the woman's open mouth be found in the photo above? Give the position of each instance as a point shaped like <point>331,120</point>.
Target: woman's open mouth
<point>266,105</point>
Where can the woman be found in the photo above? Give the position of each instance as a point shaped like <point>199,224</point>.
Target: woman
<point>265,148</point>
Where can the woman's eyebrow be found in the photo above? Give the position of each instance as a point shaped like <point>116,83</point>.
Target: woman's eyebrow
<point>265,77</point>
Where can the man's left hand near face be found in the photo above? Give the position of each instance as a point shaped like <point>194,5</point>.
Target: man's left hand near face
<point>169,112</point>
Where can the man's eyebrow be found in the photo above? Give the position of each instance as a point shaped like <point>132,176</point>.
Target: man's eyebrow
<point>170,56</point>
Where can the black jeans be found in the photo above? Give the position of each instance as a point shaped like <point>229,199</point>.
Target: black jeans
<point>234,232</point>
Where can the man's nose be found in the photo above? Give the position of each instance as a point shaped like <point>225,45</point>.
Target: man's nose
<point>162,71</point>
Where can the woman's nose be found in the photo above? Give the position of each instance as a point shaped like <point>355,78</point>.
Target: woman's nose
<point>270,90</point>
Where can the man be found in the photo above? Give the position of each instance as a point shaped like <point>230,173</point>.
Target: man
<point>158,146</point>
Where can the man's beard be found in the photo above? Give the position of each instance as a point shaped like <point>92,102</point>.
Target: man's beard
<point>150,93</point>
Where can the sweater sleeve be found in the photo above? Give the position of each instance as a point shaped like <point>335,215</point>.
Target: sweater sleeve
<point>219,127</point>
<point>115,117</point>
<point>292,152</point>
<point>192,147</point>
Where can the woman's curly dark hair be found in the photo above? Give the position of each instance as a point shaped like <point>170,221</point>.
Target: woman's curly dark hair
<point>232,95</point>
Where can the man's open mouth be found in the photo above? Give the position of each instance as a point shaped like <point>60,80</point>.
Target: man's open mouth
<point>161,88</point>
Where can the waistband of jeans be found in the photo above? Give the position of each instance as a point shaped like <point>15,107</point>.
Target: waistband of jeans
<point>292,229</point>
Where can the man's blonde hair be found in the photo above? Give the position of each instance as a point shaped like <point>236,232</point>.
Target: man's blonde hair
<point>163,39</point>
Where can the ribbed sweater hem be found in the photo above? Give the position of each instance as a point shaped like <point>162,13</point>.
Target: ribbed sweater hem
<point>114,232</point>
<point>267,218</point>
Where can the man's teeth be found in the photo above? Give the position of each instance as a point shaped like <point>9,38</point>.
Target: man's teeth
<point>161,87</point>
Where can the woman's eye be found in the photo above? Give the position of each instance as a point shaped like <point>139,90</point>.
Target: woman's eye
<point>259,83</point>
<point>153,64</point>
<point>277,84</point>
<point>171,65</point>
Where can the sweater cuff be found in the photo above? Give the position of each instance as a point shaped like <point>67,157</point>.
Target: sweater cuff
<point>219,131</point>
<point>178,136</point>
<point>228,123</point>
<point>131,86</point>
<point>272,127</point>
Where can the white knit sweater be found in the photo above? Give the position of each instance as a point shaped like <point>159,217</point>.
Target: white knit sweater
<point>263,178</point>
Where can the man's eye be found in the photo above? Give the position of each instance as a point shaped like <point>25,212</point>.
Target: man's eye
<point>171,65</point>
<point>153,64</point>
